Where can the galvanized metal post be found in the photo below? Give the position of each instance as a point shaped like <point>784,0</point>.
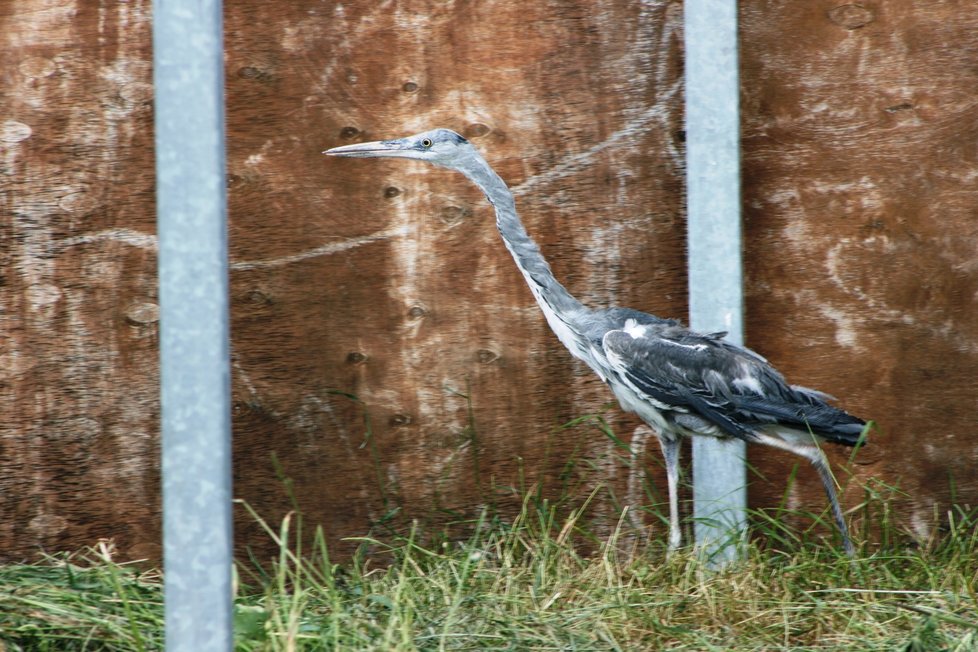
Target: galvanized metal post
<point>191,202</point>
<point>715,273</point>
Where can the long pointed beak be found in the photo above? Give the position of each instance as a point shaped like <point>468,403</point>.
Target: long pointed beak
<point>378,148</point>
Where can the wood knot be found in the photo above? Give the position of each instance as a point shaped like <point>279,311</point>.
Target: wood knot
<point>896,108</point>
<point>257,297</point>
<point>143,314</point>
<point>12,131</point>
<point>486,356</point>
<point>476,129</point>
<point>137,93</point>
<point>851,16</point>
<point>255,73</point>
<point>37,67</point>
<point>452,215</point>
<point>82,201</point>
<point>397,420</point>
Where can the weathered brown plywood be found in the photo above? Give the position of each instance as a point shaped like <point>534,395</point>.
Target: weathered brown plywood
<point>860,159</point>
<point>386,281</point>
<point>78,369</point>
<point>393,285</point>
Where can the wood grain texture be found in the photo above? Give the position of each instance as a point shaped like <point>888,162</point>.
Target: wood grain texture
<point>78,344</point>
<point>386,281</point>
<point>389,281</point>
<point>859,144</point>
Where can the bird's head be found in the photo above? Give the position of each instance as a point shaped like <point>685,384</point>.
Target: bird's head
<point>442,147</point>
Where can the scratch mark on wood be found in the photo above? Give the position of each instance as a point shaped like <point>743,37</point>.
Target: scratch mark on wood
<point>661,111</point>
<point>323,250</point>
<point>125,236</point>
<point>149,242</point>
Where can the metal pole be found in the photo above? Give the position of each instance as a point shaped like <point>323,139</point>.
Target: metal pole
<point>715,274</point>
<point>194,350</point>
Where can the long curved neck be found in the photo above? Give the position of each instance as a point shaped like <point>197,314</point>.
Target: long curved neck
<point>549,293</point>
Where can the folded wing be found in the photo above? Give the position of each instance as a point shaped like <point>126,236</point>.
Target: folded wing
<point>730,387</point>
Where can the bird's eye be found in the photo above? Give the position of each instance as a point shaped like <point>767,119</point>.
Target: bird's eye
<point>426,143</point>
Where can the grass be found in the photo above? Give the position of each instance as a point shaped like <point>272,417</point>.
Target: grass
<point>544,579</point>
<point>524,584</point>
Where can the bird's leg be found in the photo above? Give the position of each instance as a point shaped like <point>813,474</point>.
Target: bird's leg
<point>670,453</point>
<point>814,454</point>
<point>821,465</point>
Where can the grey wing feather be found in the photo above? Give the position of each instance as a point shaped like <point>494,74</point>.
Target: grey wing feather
<point>732,387</point>
<point>678,372</point>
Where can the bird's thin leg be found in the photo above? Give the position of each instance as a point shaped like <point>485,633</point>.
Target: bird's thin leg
<point>815,455</point>
<point>670,453</point>
<point>822,466</point>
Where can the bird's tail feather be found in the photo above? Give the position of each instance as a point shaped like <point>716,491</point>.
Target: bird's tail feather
<point>827,422</point>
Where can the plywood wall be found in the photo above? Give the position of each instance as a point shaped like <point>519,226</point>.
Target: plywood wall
<point>860,154</point>
<point>78,342</point>
<point>388,358</point>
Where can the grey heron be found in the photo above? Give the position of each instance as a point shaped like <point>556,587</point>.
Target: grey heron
<point>680,382</point>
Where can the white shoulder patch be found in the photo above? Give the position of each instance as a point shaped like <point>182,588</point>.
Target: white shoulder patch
<point>748,383</point>
<point>634,330</point>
